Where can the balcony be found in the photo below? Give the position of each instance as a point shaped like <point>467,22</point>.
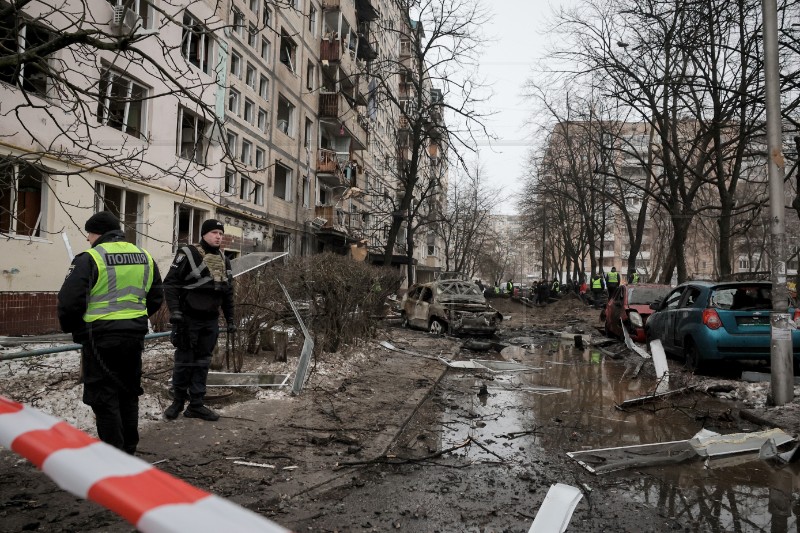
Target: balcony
<point>349,121</point>
<point>330,167</point>
<point>330,50</point>
<point>331,4</point>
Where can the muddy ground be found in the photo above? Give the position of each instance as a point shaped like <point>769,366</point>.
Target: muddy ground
<point>383,440</point>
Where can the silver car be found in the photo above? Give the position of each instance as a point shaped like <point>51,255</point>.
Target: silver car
<point>454,306</point>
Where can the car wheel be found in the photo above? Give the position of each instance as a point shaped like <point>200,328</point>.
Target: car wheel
<point>404,320</point>
<point>692,360</point>
<point>437,327</point>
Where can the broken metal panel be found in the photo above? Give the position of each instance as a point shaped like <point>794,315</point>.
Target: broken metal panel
<point>738,442</point>
<point>632,345</point>
<point>604,460</point>
<point>556,510</point>
<point>308,347</point>
<point>246,263</point>
<point>245,379</point>
<point>505,366</point>
<point>652,397</point>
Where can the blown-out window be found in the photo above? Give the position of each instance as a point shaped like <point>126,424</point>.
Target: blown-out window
<point>34,74</point>
<point>192,136</point>
<point>21,198</point>
<point>283,182</point>
<point>126,205</point>
<point>121,104</point>
<point>197,43</point>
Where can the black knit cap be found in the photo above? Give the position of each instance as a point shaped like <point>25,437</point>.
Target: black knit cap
<point>210,225</point>
<point>102,222</point>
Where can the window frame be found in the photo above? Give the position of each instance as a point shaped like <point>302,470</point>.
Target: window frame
<point>133,231</point>
<point>205,46</point>
<point>249,111</point>
<point>236,65</point>
<point>288,173</point>
<point>234,101</point>
<point>10,213</point>
<point>104,104</point>
<point>200,137</point>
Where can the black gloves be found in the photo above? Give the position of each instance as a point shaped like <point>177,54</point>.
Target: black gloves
<point>176,317</point>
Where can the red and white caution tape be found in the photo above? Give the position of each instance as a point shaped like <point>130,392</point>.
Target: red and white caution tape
<point>148,498</point>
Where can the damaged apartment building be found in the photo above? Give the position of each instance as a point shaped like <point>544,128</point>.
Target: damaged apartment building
<point>261,113</point>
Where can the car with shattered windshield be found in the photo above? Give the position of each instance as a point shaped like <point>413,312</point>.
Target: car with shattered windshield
<point>454,306</point>
<point>709,322</point>
<point>630,305</point>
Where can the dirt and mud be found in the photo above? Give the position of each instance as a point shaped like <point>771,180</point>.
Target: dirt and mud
<point>394,440</point>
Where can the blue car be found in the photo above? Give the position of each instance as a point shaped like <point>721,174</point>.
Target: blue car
<point>706,322</point>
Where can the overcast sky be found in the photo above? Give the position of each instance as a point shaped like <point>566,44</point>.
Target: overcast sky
<point>518,41</point>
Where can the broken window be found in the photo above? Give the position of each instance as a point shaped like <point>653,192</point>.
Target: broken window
<point>187,225</point>
<point>21,198</point>
<point>126,205</point>
<point>192,136</point>
<point>197,43</point>
<point>288,51</point>
<point>285,116</point>
<point>283,183</point>
<point>32,75</point>
<point>280,242</point>
<point>121,104</point>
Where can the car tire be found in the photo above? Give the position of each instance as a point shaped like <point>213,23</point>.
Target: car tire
<point>437,327</point>
<point>404,320</point>
<point>692,361</point>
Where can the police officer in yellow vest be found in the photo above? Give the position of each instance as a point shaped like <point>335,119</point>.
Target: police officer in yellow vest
<point>597,287</point>
<point>105,301</point>
<point>612,281</point>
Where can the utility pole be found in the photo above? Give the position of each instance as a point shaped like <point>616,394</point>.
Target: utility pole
<point>782,382</point>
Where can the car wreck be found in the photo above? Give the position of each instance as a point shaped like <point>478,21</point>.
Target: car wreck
<point>453,306</point>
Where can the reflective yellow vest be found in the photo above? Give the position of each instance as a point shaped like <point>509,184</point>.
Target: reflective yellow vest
<point>124,275</point>
<point>597,283</point>
<point>613,277</point>
<point>636,277</point>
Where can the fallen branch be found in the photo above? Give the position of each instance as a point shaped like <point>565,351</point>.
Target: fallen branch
<point>403,460</point>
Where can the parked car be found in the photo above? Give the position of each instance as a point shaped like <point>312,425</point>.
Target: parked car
<point>630,304</point>
<point>456,306</point>
<point>712,322</point>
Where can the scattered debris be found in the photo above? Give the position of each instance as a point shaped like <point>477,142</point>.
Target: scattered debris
<point>246,379</point>
<point>704,444</point>
<point>484,390</point>
<point>655,396</point>
<point>511,353</point>
<point>556,510</point>
<point>477,345</point>
<point>712,444</point>
<point>248,463</point>
<point>505,366</point>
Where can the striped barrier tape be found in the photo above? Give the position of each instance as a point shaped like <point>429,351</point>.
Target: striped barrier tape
<point>152,500</point>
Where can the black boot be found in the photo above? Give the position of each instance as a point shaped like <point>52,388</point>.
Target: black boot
<point>200,411</point>
<point>174,410</point>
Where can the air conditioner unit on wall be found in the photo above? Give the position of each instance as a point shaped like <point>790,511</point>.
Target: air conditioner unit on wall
<point>125,20</point>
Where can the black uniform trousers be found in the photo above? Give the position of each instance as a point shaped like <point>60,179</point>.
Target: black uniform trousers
<point>194,342</point>
<point>112,376</point>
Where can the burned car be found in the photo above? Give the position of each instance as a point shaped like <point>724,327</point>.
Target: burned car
<point>454,306</point>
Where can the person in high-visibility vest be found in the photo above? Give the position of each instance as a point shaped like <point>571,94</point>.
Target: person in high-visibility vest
<point>612,281</point>
<point>510,287</point>
<point>199,283</point>
<point>597,287</point>
<point>105,301</point>
<point>634,277</point>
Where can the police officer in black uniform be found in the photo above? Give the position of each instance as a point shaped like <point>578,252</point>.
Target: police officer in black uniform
<point>107,296</point>
<point>199,282</point>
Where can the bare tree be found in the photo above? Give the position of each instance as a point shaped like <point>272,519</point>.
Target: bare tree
<point>431,87</point>
<point>464,228</point>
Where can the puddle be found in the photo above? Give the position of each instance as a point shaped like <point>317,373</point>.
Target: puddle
<point>571,406</point>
